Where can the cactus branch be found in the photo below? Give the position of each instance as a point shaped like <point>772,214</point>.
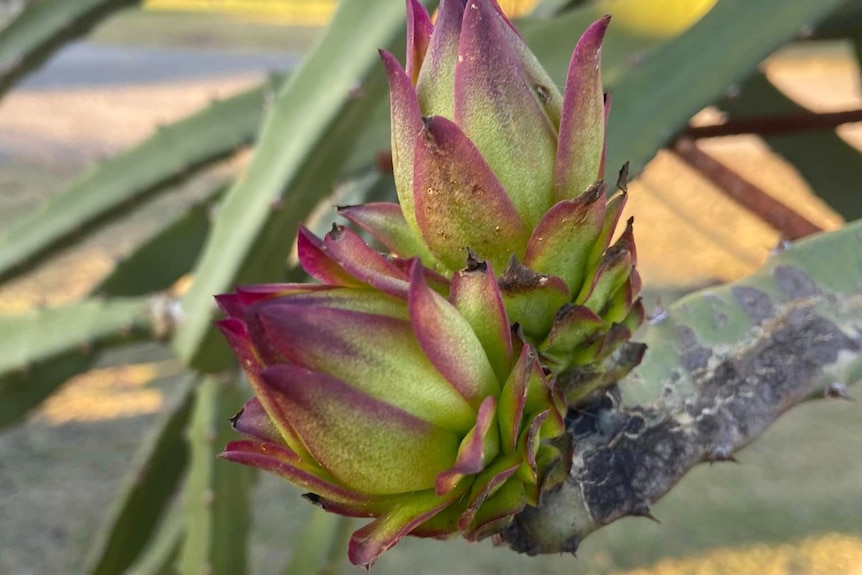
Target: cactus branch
<point>724,365</point>
<point>45,27</point>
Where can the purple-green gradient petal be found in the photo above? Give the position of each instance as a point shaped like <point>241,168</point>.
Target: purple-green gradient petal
<point>435,85</point>
<point>582,126</point>
<point>362,262</point>
<point>501,113</point>
<point>459,201</point>
<point>419,30</point>
<point>449,342</point>
<point>366,444</point>
<point>479,446</point>
<point>287,464</point>
<point>406,120</point>
<point>386,223</point>
<point>376,354</point>
<point>368,543</point>
<point>476,296</point>
<point>317,262</point>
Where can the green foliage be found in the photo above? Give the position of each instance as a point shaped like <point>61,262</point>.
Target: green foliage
<point>324,129</point>
<point>42,348</point>
<point>115,188</point>
<point>728,43</point>
<point>45,27</point>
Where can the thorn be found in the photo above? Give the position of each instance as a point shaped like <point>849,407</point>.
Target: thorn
<point>805,31</point>
<point>780,247</point>
<point>721,453</point>
<point>732,92</point>
<point>474,262</point>
<point>276,204</point>
<point>658,315</point>
<point>643,510</point>
<point>837,390</point>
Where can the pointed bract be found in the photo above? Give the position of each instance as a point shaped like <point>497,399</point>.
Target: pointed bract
<point>582,126</point>
<point>573,325</point>
<point>477,449</point>
<point>317,263</point>
<point>406,120</point>
<point>459,202</point>
<point>377,354</point>
<point>476,296</point>
<point>529,295</point>
<point>356,258</point>
<point>513,398</point>
<point>253,421</point>
<point>368,543</point>
<point>287,464</point>
<point>386,224</point>
<point>501,114</point>
<point>435,85</point>
<point>419,29</point>
<point>358,438</point>
<point>449,342</point>
<point>562,242</point>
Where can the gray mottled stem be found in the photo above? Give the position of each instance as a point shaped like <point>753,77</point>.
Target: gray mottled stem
<point>723,365</point>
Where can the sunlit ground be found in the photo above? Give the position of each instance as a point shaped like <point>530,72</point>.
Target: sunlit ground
<point>828,555</point>
<point>689,235</point>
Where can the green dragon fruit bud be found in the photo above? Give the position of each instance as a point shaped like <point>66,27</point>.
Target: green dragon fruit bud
<point>391,392</point>
<point>489,157</point>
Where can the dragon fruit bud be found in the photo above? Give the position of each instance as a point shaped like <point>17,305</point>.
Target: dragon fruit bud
<point>426,388</point>
<point>393,393</point>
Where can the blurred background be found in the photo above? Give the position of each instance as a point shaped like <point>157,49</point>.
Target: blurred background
<point>793,505</point>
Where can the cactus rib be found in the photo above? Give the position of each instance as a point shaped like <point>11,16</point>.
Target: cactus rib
<point>45,27</point>
<point>216,494</point>
<point>40,349</point>
<point>669,86</point>
<point>173,153</point>
<point>150,488</point>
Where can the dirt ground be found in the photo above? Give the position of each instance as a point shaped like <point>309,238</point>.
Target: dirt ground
<point>792,507</point>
